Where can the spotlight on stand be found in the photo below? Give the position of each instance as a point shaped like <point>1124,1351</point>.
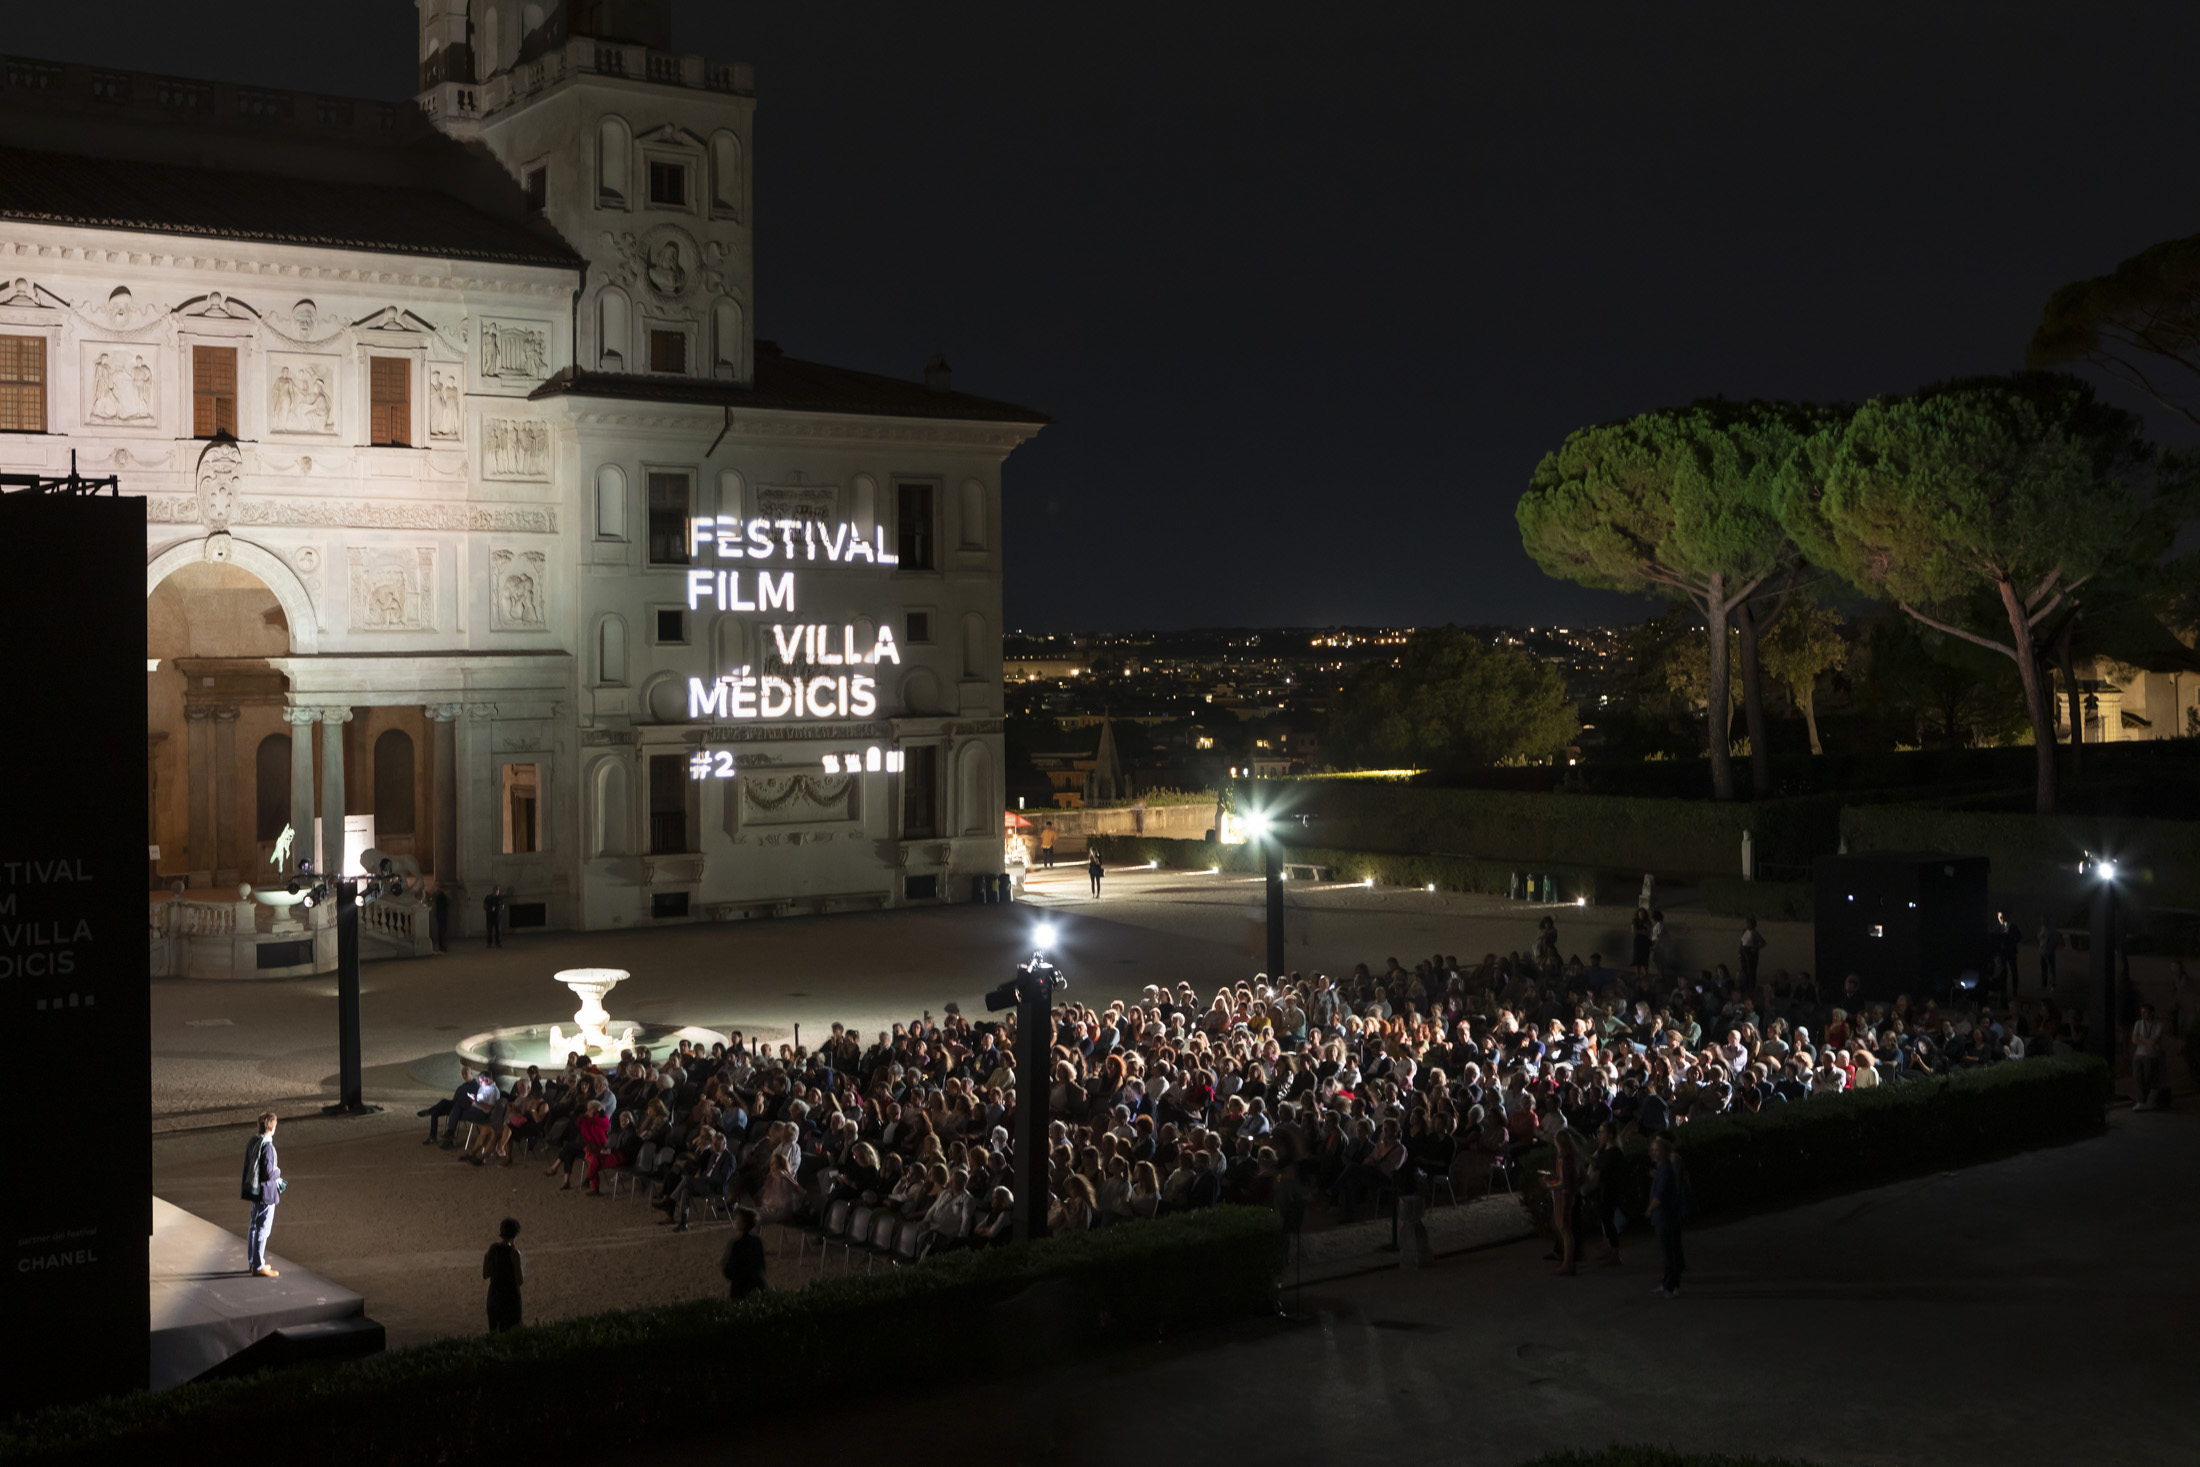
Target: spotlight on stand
<point>1044,935</point>
<point>1031,993</point>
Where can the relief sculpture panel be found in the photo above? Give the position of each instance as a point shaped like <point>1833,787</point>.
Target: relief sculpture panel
<point>515,351</point>
<point>301,393</point>
<point>518,581</point>
<point>121,385</point>
<point>392,590</point>
<point>515,448</point>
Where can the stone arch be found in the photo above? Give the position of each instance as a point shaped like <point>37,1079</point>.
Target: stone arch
<point>974,790</point>
<point>614,329</point>
<point>610,503</point>
<point>609,806</point>
<point>270,569</point>
<point>725,173</point>
<point>614,162</point>
<point>611,651</point>
<point>973,515</point>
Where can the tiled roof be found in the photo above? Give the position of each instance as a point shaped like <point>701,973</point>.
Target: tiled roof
<point>786,384</point>
<point>167,198</point>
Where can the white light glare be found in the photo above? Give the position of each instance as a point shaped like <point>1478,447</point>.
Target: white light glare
<point>1432,886</point>
<point>1044,934</point>
<point>2107,870</point>
<point>1581,901</point>
<point>1370,881</point>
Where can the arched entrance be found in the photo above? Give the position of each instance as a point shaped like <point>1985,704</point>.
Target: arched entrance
<point>213,704</point>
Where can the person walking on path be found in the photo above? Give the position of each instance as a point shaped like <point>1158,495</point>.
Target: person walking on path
<point>263,1188</point>
<point>1668,1211</point>
<point>1094,869</point>
<point>2146,1057</point>
<point>492,909</point>
<point>1753,946</point>
<point>506,1269</point>
<point>743,1265</point>
<point>1046,845</point>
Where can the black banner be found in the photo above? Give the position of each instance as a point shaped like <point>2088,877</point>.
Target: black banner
<point>75,988</point>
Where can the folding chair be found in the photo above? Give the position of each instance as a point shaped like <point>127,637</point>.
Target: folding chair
<point>835,1224</point>
<point>857,1233</point>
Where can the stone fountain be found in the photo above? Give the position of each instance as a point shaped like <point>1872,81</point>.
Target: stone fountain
<point>511,1051</point>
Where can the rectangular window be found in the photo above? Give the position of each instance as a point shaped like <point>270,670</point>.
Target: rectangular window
<point>22,384</point>
<point>522,795</point>
<point>668,804</point>
<point>672,625</point>
<point>389,384</point>
<point>538,190</point>
<point>213,391</point>
<point>919,627</point>
<point>668,184</point>
<point>913,526</point>
<point>668,519</point>
<point>920,793</point>
<point>668,351</point>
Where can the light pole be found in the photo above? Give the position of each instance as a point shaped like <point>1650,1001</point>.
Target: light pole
<point>1031,994</point>
<point>349,894</point>
<point>2101,955</point>
<point>1263,830</point>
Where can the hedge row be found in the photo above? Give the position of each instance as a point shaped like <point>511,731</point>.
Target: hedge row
<point>1638,1456</point>
<point>2035,857</point>
<point>1865,1137</point>
<point>1772,901</point>
<point>646,1370</point>
<point>1663,835</point>
<point>1387,868</point>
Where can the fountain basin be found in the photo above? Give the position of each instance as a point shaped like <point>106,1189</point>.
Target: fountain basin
<point>511,1051</point>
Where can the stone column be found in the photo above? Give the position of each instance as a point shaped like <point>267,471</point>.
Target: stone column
<point>301,721</point>
<point>444,813</point>
<point>332,790</point>
<point>199,836</point>
<point>227,856</point>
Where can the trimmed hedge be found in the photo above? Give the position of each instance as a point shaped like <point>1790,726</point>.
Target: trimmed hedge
<point>1771,901</point>
<point>1865,1137</point>
<point>1562,829</point>
<point>1637,1456</point>
<point>473,1398</point>
<point>2035,857</point>
<point>1448,873</point>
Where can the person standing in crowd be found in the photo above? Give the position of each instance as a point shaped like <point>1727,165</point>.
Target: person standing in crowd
<point>2051,942</point>
<point>1601,1188</point>
<point>2146,1056</point>
<point>1565,1185</point>
<point>1094,869</point>
<point>505,1269</point>
<point>1668,1211</point>
<point>1753,947</point>
<point>1641,925</point>
<point>263,1188</point>
<point>743,1265</point>
<point>1046,845</point>
<point>492,910</point>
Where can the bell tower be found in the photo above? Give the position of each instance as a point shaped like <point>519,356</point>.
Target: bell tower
<point>639,157</point>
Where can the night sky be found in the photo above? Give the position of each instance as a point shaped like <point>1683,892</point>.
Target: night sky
<point>1309,289</point>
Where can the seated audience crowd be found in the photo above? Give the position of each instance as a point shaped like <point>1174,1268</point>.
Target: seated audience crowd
<point>1345,1093</point>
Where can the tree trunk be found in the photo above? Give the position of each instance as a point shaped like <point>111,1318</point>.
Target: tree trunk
<point>1716,713</point>
<point>1753,703</point>
<point>1809,700</point>
<point>2035,696</point>
<point>2076,696</point>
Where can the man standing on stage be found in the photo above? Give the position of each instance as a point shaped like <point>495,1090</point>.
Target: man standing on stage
<point>263,1188</point>
<point>492,908</point>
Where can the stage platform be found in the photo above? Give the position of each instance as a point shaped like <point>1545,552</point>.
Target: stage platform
<point>211,1317</point>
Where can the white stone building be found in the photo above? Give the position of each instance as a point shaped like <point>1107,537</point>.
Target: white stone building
<point>426,404</point>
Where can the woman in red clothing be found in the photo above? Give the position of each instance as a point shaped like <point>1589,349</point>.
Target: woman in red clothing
<point>595,1133</point>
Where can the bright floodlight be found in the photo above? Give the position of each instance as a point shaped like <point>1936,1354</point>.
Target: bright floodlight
<point>1256,824</point>
<point>2106,870</point>
<point>1045,934</point>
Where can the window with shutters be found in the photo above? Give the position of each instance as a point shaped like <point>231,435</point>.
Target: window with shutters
<point>390,401</point>
<point>668,351</point>
<point>22,384</point>
<point>913,525</point>
<point>213,391</point>
<point>668,792</point>
<point>920,795</point>
<point>668,519</point>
